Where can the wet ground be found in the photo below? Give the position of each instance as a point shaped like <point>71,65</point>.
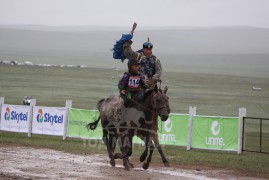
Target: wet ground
<point>31,163</point>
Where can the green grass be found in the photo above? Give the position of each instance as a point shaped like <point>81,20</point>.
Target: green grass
<point>213,95</point>
<point>216,95</point>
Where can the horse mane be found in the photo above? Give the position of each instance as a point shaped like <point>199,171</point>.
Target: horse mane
<point>143,95</point>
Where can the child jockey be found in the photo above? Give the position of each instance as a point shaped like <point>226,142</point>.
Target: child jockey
<point>131,82</point>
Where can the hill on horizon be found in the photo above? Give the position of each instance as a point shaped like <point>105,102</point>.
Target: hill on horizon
<point>179,48</point>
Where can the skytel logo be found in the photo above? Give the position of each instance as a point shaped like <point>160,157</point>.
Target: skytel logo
<point>48,118</point>
<point>168,128</point>
<point>216,141</point>
<point>15,116</point>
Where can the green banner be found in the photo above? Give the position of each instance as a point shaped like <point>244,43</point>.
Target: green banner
<point>208,132</point>
<point>78,119</point>
<point>174,131</point>
<point>219,133</point>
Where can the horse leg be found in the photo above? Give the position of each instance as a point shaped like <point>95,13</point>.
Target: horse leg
<point>158,146</point>
<point>145,153</point>
<point>123,155</point>
<point>110,139</point>
<point>146,164</point>
<point>131,165</point>
<point>126,150</point>
<point>111,148</point>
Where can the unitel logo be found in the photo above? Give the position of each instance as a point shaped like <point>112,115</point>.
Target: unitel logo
<point>215,130</point>
<point>40,116</point>
<point>166,124</point>
<point>7,114</point>
<point>167,136</point>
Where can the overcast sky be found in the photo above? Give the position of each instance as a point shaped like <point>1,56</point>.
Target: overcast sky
<point>144,12</point>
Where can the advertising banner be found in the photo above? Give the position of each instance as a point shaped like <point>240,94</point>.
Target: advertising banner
<point>15,118</point>
<point>77,121</point>
<point>174,131</point>
<point>220,133</point>
<point>49,120</point>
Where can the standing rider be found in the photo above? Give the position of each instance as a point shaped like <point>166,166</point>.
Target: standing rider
<point>150,66</point>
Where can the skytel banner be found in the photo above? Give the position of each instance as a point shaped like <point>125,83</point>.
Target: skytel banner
<point>15,118</point>
<point>49,120</point>
<point>219,133</point>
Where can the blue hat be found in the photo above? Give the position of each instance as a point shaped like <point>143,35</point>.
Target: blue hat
<point>148,44</point>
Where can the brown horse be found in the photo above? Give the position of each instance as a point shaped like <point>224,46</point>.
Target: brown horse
<point>140,118</point>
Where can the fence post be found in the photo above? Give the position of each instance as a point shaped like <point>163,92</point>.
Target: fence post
<point>2,100</point>
<point>192,112</point>
<point>242,113</point>
<point>68,105</point>
<point>30,123</point>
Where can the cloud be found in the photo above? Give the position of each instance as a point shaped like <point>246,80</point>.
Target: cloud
<point>145,13</point>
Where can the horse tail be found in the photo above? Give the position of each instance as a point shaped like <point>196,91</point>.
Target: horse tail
<point>99,104</point>
<point>93,125</point>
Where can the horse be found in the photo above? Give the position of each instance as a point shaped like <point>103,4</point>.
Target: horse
<point>144,124</point>
<point>154,136</point>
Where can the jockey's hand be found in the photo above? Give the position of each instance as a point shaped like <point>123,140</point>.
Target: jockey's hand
<point>149,82</point>
<point>154,79</point>
<point>123,92</point>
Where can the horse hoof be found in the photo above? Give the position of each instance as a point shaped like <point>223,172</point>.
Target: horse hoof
<point>112,163</point>
<point>145,166</point>
<point>167,164</point>
<point>142,158</point>
<point>126,168</point>
<point>131,165</point>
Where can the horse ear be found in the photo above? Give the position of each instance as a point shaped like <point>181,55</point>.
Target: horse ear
<point>165,89</point>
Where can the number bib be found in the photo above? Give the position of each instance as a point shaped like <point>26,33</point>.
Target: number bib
<point>134,82</point>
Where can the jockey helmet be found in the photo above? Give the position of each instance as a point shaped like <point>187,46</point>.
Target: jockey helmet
<point>132,62</point>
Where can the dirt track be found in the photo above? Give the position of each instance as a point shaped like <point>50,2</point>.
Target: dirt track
<point>30,163</point>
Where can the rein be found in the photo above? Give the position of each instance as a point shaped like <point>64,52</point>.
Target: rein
<point>143,106</point>
<point>154,112</point>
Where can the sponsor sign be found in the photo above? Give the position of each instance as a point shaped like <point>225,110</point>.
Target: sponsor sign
<point>174,131</point>
<point>219,133</point>
<point>77,121</point>
<point>15,118</point>
<point>49,120</point>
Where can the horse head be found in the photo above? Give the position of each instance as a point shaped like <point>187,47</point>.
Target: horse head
<point>159,101</point>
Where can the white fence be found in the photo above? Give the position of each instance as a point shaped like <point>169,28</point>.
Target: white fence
<point>54,121</point>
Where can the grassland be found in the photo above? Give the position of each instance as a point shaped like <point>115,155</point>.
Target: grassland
<point>216,95</point>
